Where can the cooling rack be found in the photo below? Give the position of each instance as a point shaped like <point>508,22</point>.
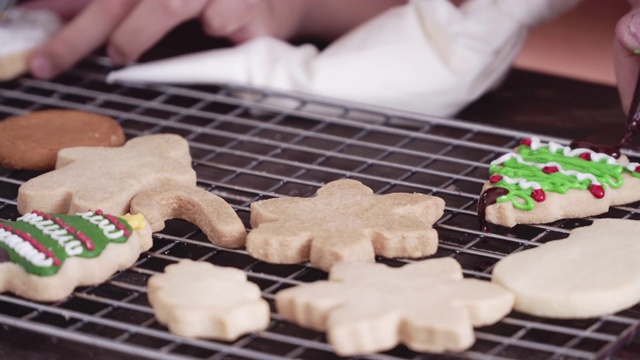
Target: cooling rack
<point>251,144</point>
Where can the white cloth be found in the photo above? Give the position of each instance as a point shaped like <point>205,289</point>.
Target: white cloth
<point>427,56</point>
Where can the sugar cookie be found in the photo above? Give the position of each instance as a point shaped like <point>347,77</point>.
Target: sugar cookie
<point>21,31</point>
<point>108,178</point>
<point>214,216</point>
<point>593,272</point>
<point>32,141</point>
<point>198,299</point>
<point>345,221</point>
<point>367,308</point>
<point>539,183</point>
<point>47,256</point>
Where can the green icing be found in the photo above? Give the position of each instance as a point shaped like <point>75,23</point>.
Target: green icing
<point>61,249</point>
<point>607,174</point>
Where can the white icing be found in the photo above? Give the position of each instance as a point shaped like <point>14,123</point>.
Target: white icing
<point>104,225</point>
<point>71,246</point>
<point>522,182</point>
<point>568,152</point>
<point>25,249</point>
<point>22,30</point>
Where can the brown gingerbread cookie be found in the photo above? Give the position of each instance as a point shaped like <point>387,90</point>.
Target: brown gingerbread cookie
<point>32,141</point>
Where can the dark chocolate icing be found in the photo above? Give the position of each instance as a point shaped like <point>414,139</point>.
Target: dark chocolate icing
<point>487,198</point>
<point>613,151</point>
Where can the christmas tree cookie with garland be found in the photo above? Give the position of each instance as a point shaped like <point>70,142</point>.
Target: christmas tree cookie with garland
<point>44,257</point>
<point>543,182</point>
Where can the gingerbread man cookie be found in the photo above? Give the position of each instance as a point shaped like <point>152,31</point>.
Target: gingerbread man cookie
<point>214,216</point>
<point>593,272</point>
<point>47,256</point>
<point>108,178</point>
<point>345,221</point>
<point>366,308</point>
<point>198,299</point>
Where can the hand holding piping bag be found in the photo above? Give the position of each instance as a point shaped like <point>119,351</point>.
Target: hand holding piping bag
<point>427,56</point>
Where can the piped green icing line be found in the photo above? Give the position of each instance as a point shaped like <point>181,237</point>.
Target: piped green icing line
<point>523,172</point>
<point>41,243</point>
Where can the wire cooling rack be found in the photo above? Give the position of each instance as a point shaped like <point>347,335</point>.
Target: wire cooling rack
<point>250,144</point>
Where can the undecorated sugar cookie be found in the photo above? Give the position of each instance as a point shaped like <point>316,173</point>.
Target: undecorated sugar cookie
<point>214,216</point>
<point>593,272</point>
<point>198,299</point>
<point>108,178</point>
<point>366,308</point>
<point>345,221</point>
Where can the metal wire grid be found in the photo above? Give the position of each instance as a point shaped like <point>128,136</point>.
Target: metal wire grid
<point>250,144</point>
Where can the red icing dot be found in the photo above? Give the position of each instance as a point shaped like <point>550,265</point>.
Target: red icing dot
<point>56,261</point>
<point>550,169</point>
<point>9,228</point>
<point>538,195</point>
<point>637,168</point>
<point>127,233</point>
<point>526,142</point>
<point>120,226</point>
<point>1,225</point>
<point>495,178</point>
<point>98,212</point>
<point>48,217</point>
<point>585,156</point>
<point>597,191</point>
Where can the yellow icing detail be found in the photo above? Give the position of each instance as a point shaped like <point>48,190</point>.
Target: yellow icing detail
<point>136,221</point>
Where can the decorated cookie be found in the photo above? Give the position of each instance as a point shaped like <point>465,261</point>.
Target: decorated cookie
<point>108,178</point>
<point>214,216</point>
<point>366,308</point>
<point>198,299</point>
<point>32,141</point>
<point>539,183</point>
<point>21,31</point>
<point>44,257</point>
<point>593,272</point>
<point>345,221</point>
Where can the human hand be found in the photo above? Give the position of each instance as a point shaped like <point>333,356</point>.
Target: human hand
<point>131,27</point>
<point>626,53</point>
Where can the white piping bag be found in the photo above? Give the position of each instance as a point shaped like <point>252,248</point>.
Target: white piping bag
<point>427,56</point>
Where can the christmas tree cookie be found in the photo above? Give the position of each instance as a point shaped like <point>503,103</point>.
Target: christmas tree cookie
<point>543,182</point>
<point>44,257</point>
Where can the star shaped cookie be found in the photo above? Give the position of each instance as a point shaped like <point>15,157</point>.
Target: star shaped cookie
<point>345,221</point>
<point>108,178</point>
<point>367,308</point>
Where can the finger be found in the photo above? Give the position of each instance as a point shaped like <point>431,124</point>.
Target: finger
<point>627,61</point>
<point>148,23</point>
<point>66,9</point>
<point>224,17</point>
<point>80,37</point>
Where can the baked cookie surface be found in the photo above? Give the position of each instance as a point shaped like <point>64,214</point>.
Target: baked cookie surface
<point>593,272</point>
<point>32,141</point>
<point>198,299</point>
<point>426,305</point>
<point>345,221</point>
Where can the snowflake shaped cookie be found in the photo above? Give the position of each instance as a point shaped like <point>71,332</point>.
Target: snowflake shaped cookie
<point>108,178</point>
<point>367,308</point>
<point>345,221</point>
<point>198,299</point>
